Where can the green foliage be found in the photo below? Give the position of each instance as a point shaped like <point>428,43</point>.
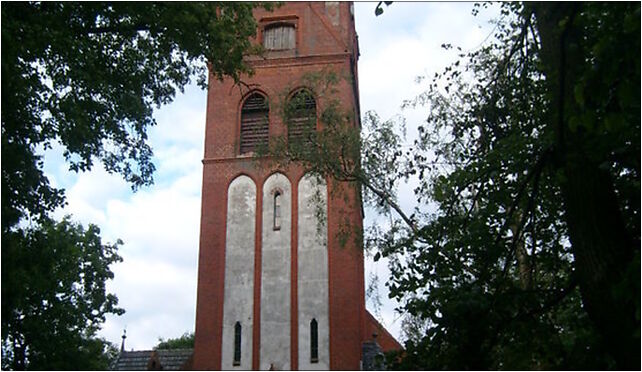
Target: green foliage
<point>597,154</point>
<point>186,341</point>
<point>54,298</point>
<point>379,8</point>
<point>331,153</point>
<point>93,354</point>
<point>522,251</point>
<point>493,271</point>
<point>86,77</point>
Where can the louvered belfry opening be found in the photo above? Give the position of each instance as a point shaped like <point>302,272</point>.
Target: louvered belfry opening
<point>303,117</point>
<point>254,123</point>
<point>279,36</point>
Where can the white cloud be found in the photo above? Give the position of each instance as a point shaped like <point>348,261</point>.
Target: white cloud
<point>156,282</point>
<point>162,223</point>
<point>159,297</point>
<point>159,224</point>
<point>184,126</point>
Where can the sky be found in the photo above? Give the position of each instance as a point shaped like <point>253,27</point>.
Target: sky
<point>160,224</point>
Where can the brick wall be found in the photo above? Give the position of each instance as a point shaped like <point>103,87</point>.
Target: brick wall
<point>325,39</point>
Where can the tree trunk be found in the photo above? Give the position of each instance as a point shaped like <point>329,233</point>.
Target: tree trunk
<point>602,247</point>
<point>603,253</point>
<point>524,263</point>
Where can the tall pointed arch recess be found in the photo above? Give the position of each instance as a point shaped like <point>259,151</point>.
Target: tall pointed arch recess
<point>275,347</point>
<point>238,303</point>
<point>312,273</point>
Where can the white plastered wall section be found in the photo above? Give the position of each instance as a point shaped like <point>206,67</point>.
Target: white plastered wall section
<point>312,270</point>
<point>239,271</point>
<point>275,276</point>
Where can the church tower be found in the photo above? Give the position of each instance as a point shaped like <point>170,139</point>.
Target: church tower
<point>274,290</point>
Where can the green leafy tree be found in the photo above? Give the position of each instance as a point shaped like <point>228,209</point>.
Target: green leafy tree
<point>523,251</point>
<point>186,341</point>
<point>86,77</point>
<point>590,54</point>
<point>55,300</point>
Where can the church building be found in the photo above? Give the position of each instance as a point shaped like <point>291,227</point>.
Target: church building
<point>280,286</point>
<point>275,291</point>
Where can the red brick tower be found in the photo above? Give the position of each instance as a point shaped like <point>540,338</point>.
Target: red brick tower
<point>272,293</point>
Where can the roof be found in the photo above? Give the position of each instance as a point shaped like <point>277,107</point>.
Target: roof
<point>168,360</point>
<point>384,338</point>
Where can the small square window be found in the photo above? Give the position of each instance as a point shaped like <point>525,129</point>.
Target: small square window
<point>279,36</point>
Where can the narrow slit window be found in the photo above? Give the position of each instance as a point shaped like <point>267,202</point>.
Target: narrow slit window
<point>314,341</point>
<point>237,344</point>
<point>277,210</point>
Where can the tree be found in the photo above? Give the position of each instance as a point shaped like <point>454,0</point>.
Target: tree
<point>186,341</point>
<point>591,56</point>
<point>87,76</point>
<point>523,251</point>
<point>55,300</point>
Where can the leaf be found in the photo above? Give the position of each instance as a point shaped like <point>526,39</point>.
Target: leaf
<point>579,94</point>
<point>574,123</point>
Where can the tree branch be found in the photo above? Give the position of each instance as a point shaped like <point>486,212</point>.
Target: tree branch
<point>118,29</point>
<point>522,36</point>
<point>386,198</point>
<point>518,233</point>
<point>537,169</point>
<point>561,295</point>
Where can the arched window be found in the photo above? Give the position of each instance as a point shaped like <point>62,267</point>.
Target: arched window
<point>254,123</point>
<point>237,344</point>
<point>314,341</point>
<point>279,36</point>
<point>277,210</point>
<point>301,117</point>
